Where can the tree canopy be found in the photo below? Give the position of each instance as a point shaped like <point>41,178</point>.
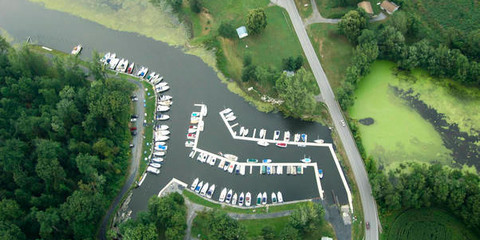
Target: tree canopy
<point>352,24</point>
<point>294,90</point>
<point>256,21</point>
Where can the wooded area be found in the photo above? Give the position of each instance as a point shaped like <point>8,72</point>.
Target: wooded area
<point>64,145</point>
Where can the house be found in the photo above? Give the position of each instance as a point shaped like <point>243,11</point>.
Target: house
<point>390,7</point>
<point>242,32</point>
<point>365,5</point>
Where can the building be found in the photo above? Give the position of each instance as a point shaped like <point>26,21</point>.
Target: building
<point>389,7</point>
<point>242,32</point>
<point>365,5</point>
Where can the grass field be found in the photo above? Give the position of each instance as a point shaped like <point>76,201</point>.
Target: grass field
<point>304,8</point>
<point>399,133</point>
<point>333,50</point>
<point>330,8</point>
<point>428,223</point>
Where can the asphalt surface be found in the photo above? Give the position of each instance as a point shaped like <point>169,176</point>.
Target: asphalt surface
<point>136,156</point>
<point>368,202</point>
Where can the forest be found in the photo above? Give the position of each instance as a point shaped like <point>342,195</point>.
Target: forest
<point>64,144</point>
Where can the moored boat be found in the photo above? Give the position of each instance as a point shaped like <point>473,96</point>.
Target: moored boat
<point>245,132</point>
<point>162,117</point>
<point>162,84</point>
<point>158,154</point>
<point>230,157</point>
<point>241,199</point>
<point>204,189</point>
<point>319,140</point>
<point>296,138</point>
<point>281,144</point>
<point>155,165</point>
<point>241,131</point>
<point>213,161</point>
<point>286,136</point>
<point>222,195</point>
<point>228,198</point>
<point>123,65</point>
<point>164,97</point>
<point>267,160</point>
<point>231,168</point>
<point>192,154</point>
<point>231,118</point>
<point>131,68</point>
<point>225,167</point>
<point>274,198</point>
<point>280,197</point>
<point>304,137</point>
<point>306,160</point>
<point>221,164</point>
<point>161,108</point>
<point>276,135</point>
<point>153,170</point>
<point>199,187</point>
<point>226,111</point>
<point>252,160</point>
<point>279,170</point>
<point>157,160</point>
<point>194,184</point>
<point>189,144</point>
<point>320,173</point>
<point>242,170</point>
<point>162,127</point>
<point>105,57</point>
<point>165,102</point>
<point>234,199</point>
<point>151,75</point>
<point>263,132</point>
<point>210,191</point>
<point>162,89</point>
<point>114,62</point>
<point>248,199</point>
<point>200,156</point>
<point>76,50</point>
<point>191,136</point>
<point>259,198</point>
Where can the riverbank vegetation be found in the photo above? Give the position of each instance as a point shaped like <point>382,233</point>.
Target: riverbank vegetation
<point>64,148</point>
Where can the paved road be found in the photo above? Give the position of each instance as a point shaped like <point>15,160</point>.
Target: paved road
<point>356,162</point>
<point>136,156</point>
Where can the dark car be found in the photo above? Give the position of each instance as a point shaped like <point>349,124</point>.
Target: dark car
<point>133,96</point>
<point>134,116</point>
<point>134,133</point>
<point>367,225</point>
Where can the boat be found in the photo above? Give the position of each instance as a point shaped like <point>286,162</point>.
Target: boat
<point>229,115</point>
<point>191,136</point>
<point>162,127</point>
<point>194,120</point>
<point>113,63</point>
<point>263,132</point>
<point>259,198</point>
<point>296,138</point>
<point>213,161</point>
<point>226,111</point>
<point>162,89</point>
<point>306,160</point>
<point>192,130</point>
<point>229,196</point>
<point>165,103</point>
<point>192,153</point>
<point>248,199</point>
<point>151,75</point>
<point>280,197</point>
<point>299,170</point>
<point>153,170</point>
<point>222,195</point>
<point>281,144</point>
<point>155,165</point>
<point>105,57</point>
<point>231,118</point>
<point>286,136</point>
<point>231,168</point>
<point>230,157</point>
<point>110,57</point>
<point>199,187</point>
<point>157,79</point>
<point>189,143</point>
<point>304,137</point>
<point>293,170</point>
<point>269,170</point>
<point>200,156</point>
<point>252,160</point>
<point>279,170</point>
<point>162,117</point>
<point>76,50</point>
<point>160,137</point>
<point>264,198</point>
<point>242,129</point>
<point>161,148</point>
<point>164,97</point>
<point>195,114</point>
<point>157,159</point>
<point>209,159</point>
<point>234,199</point>
<point>158,154</point>
<point>162,84</point>
<point>221,164</point>
<point>204,189</point>
<point>204,158</point>
<point>276,135</point>
<point>225,167</point>
<point>130,68</point>
<point>320,173</point>
<point>266,160</point>
<point>123,65</point>
<point>210,191</point>
<point>263,169</point>
<point>163,132</point>
<point>273,170</point>
<point>204,110</point>
<point>274,198</point>
<point>319,140</point>
<point>161,108</point>
<point>242,170</point>
<point>241,199</point>
<point>237,169</point>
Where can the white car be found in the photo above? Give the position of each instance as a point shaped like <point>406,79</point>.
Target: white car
<point>343,122</point>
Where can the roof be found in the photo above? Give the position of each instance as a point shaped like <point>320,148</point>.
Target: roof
<point>366,6</point>
<point>390,7</point>
<point>242,32</point>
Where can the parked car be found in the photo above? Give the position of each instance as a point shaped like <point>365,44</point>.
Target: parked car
<point>367,225</point>
<point>133,128</point>
<point>131,145</point>
<point>133,120</point>
<point>343,123</point>
<point>134,133</point>
<point>134,116</point>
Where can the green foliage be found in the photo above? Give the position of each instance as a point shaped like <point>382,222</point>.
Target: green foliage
<point>218,225</point>
<point>176,5</point>
<point>256,21</point>
<point>307,218</point>
<point>352,24</point>
<point>195,5</point>
<point>227,30</point>
<point>292,64</point>
<point>295,91</point>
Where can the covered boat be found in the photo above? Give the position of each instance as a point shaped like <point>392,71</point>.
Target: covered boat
<point>222,195</point>
<point>248,199</point>
<point>194,184</point>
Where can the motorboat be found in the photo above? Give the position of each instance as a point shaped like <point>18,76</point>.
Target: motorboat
<point>274,198</point>
<point>273,170</point>
<point>263,132</point>
<point>157,79</point>
<point>234,199</point>
<point>241,130</point>
<point>319,141</point>
<point>204,189</point>
<point>280,197</point>
<point>245,132</point>
<point>154,78</point>
<point>130,68</point>
<point>76,50</point>
<point>228,198</point>
<point>161,138</point>
<point>263,169</point>
<point>231,118</point>
<point>200,156</point>
<point>230,115</point>
<point>151,75</point>
<point>164,97</point>
<point>191,136</point>
<point>248,199</point>
<point>222,195</point>
<point>162,89</point>
<point>110,57</point>
<point>231,168</point>
<point>259,198</point>
<point>192,130</point>
<point>113,63</point>
<point>158,154</point>
<point>221,164</point>
<point>286,136</point>
<point>299,170</point>
<point>153,170</point>
<point>266,160</point>
<point>157,159</point>
<point>194,184</point>
<point>204,110</point>
<point>161,148</point>
<point>189,144</point>
<point>195,114</point>
<point>210,191</point>
<point>213,161</point>
<point>276,135</point>
<point>294,170</point>
<point>209,159</point>
<point>199,187</point>
<point>241,199</point>
<point>225,167</point>
<point>123,65</point>
<point>163,132</point>
<point>269,170</point>
<point>252,160</point>
<point>162,117</point>
<point>165,103</point>
<point>155,165</point>
<point>226,111</point>
<point>279,170</point>
<point>281,144</point>
<point>264,198</point>
<point>306,160</point>
<point>204,158</point>
<point>105,57</point>
<point>161,108</point>
<point>162,84</point>
<point>194,120</point>
<point>162,127</point>
<point>230,157</point>
<point>304,137</point>
<point>237,169</point>
<point>242,170</point>
<point>192,153</point>
<point>320,173</point>
<point>296,138</point>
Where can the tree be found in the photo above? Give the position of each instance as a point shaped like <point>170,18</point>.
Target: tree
<point>295,91</point>
<point>307,217</point>
<point>292,64</point>
<point>390,42</point>
<point>196,6</point>
<point>141,232</point>
<point>289,233</point>
<point>227,30</point>
<point>256,21</point>
<point>268,233</point>
<point>352,24</point>
<point>223,227</point>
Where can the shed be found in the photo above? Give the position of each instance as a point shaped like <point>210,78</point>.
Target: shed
<point>367,6</point>
<point>388,6</point>
<point>242,32</point>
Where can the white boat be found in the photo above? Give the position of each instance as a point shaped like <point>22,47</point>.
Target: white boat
<point>279,170</point>
<point>165,103</point>
<point>161,138</point>
<point>230,157</point>
<point>274,198</point>
<point>163,132</point>
<point>162,127</point>
<point>280,197</point>
<point>242,170</point>
<point>225,167</point>
<point>204,189</point>
<point>200,156</point>
<point>262,133</point>
<point>269,170</point>
<point>221,164</point>
<point>194,184</point>
<point>306,160</point>
<point>153,170</point>
<point>267,160</point>
<point>248,199</point>
<point>158,154</point>
<point>319,140</point>
<point>151,75</point>
<point>192,130</point>
<point>210,191</point>
<point>245,132</point>
<point>123,65</point>
<point>204,159</point>
<point>209,159</point>
<point>237,169</point>
<point>157,80</point>
<point>114,63</point>
<point>213,161</point>
<point>191,136</point>
<point>296,138</point>
<point>228,198</point>
<point>276,135</point>
<point>194,120</point>
<point>241,199</point>
<point>226,111</point>
<point>263,143</point>
<point>264,198</point>
<point>189,144</point>
<point>241,131</point>
<point>164,97</point>
<point>231,168</point>
<point>286,136</point>
<point>161,108</point>
<point>229,115</point>
<point>131,68</point>
<point>154,78</point>
<point>157,159</point>
<point>162,89</point>
<point>204,110</point>
<point>320,173</point>
<point>105,57</point>
<point>281,144</point>
<point>76,50</point>
<point>259,198</point>
<point>162,84</point>
<point>231,118</point>
<point>304,137</point>
<point>222,195</point>
<point>155,165</point>
<point>234,199</point>
<point>161,148</point>
<point>192,153</point>
<point>162,117</point>
<point>273,169</point>
<point>199,187</point>
<point>110,57</point>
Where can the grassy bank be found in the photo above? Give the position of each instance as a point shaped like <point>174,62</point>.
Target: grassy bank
<point>304,8</point>
<point>425,223</point>
<point>332,8</point>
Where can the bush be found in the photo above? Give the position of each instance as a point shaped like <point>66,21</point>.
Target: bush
<point>256,21</point>
<point>196,6</point>
<point>227,30</point>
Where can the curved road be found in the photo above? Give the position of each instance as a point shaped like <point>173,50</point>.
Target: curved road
<point>136,156</point>
<point>368,202</point>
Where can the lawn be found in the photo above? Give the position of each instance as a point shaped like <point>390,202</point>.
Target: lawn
<point>333,50</point>
<point>398,133</point>
<point>304,8</point>
<point>254,227</point>
<point>426,223</point>
<point>331,9</point>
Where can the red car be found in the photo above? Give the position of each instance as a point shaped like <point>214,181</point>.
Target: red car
<point>133,128</point>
